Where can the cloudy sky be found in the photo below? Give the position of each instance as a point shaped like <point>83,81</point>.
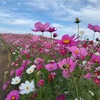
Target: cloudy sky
<point>19,16</point>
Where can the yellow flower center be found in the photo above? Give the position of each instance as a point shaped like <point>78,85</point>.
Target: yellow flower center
<point>30,70</point>
<point>27,87</point>
<point>66,41</point>
<point>13,98</point>
<point>51,67</point>
<point>16,80</point>
<point>63,50</point>
<point>96,60</point>
<point>76,51</point>
<point>41,83</point>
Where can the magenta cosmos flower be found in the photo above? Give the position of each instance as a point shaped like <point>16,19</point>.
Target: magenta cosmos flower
<point>68,66</point>
<point>51,29</point>
<point>96,58</point>
<point>95,28</point>
<point>41,27</point>
<point>13,95</point>
<point>55,35</point>
<point>60,97</point>
<point>19,72</point>
<point>68,41</point>
<point>40,82</point>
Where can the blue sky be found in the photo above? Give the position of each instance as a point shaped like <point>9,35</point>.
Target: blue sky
<point>19,16</point>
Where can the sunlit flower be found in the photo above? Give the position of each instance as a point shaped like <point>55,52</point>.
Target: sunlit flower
<point>39,27</point>
<point>27,87</point>
<point>68,41</point>
<point>95,28</point>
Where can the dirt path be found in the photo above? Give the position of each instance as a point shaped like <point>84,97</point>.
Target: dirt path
<point>3,67</point>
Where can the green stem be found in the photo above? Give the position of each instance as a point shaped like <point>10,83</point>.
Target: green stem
<point>75,85</point>
<point>42,34</point>
<point>78,28</point>
<point>93,35</point>
<point>51,37</point>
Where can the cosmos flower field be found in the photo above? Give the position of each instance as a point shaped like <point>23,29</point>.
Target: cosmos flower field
<point>53,69</point>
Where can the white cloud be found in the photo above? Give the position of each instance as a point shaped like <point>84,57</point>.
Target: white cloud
<point>94,1</point>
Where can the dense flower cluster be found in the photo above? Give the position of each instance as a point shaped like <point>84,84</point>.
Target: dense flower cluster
<point>66,69</point>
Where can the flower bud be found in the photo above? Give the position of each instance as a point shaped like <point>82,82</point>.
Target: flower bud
<point>77,20</point>
<point>6,72</point>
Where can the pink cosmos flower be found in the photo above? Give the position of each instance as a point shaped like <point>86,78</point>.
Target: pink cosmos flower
<point>55,35</point>
<point>51,29</point>
<point>96,58</point>
<point>66,74</point>
<point>51,76</point>
<point>39,61</point>
<point>68,66</point>
<point>5,85</point>
<point>12,72</point>
<point>63,51</point>
<point>41,27</point>
<point>40,82</point>
<point>13,95</point>
<point>51,66</point>
<point>35,38</point>
<point>80,52</point>
<point>97,81</point>
<point>68,41</point>
<point>39,66</point>
<point>19,72</point>
<point>95,28</point>
<point>48,45</point>
<point>97,69</point>
<point>88,76</point>
<point>61,97</point>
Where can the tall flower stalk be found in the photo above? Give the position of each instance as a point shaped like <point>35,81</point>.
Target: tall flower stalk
<point>93,35</point>
<point>77,21</point>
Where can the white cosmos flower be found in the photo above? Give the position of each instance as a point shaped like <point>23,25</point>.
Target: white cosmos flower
<point>33,66</point>
<point>84,62</point>
<point>29,70</point>
<point>97,53</point>
<point>15,80</point>
<point>27,87</point>
<point>13,53</point>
